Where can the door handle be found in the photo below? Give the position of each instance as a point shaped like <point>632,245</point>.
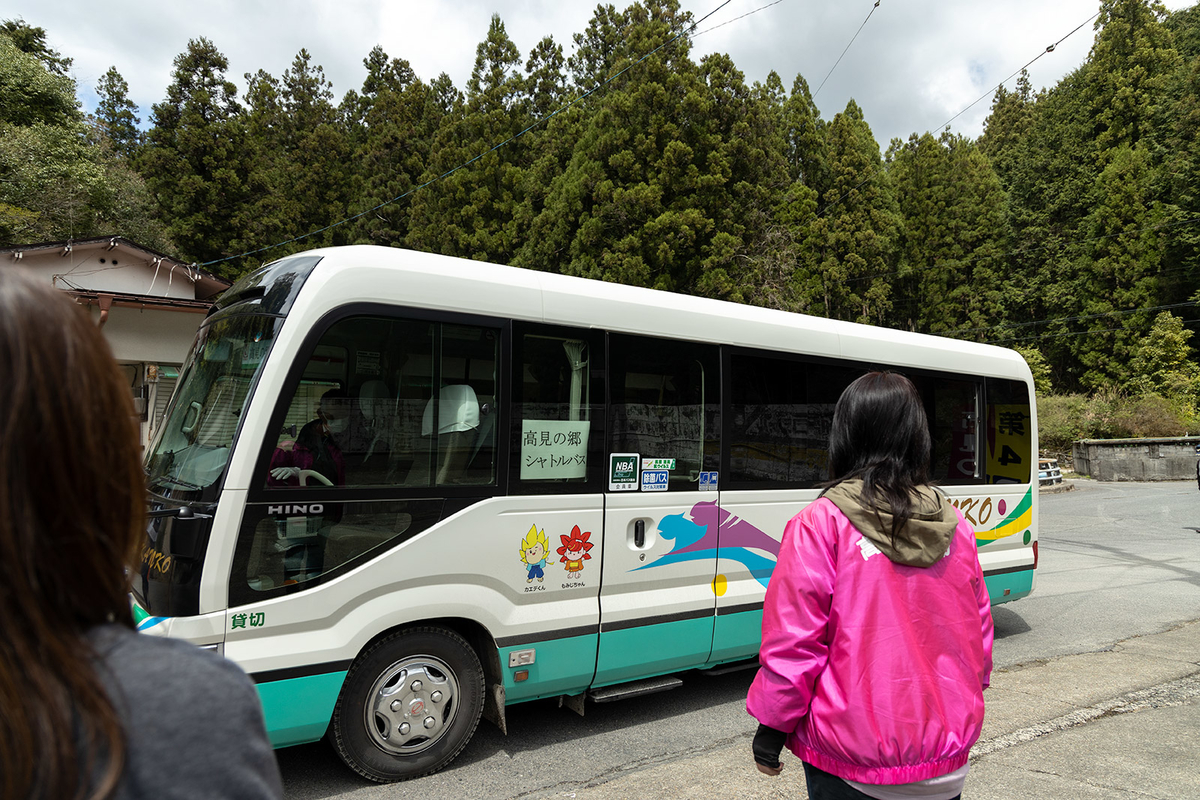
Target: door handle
<point>639,533</point>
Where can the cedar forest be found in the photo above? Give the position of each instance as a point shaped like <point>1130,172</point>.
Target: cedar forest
<point>1070,229</point>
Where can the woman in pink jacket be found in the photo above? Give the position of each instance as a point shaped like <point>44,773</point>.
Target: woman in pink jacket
<point>877,630</point>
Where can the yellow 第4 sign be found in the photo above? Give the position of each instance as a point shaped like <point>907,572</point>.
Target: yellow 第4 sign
<point>1009,443</point>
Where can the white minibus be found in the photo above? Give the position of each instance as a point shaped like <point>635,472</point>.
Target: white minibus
<point>405,491</point>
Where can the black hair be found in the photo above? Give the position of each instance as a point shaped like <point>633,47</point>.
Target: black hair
<point>880,435</point>
<point>68,537</point>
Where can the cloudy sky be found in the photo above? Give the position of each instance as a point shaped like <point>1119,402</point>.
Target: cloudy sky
<point>915,64</point>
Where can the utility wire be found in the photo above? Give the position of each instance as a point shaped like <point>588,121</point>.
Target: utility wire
<point>1049,49</point>
<point>1077,317</point>
<point>839,58</point>
<point>976,258</point>
<point>467,163</point>
<point>1064,335</point>
<point>735,19</point>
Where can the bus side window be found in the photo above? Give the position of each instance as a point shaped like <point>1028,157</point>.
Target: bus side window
<point>952,406</point>
<point>450,435</point>
<point>1010,455</point>
<point>558,407</point>
<point>348,441</point>
<point>782,411</point>
<point>666,405</point>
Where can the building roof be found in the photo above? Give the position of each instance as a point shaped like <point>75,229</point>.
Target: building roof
<point>208,285</point>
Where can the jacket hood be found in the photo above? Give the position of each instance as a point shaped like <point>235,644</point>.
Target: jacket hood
<point>923,540</point>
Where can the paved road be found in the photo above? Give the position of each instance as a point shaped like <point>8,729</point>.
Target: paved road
<point>1117,561</point>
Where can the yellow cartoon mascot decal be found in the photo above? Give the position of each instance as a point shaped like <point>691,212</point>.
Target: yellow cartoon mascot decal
<point>533,553</point>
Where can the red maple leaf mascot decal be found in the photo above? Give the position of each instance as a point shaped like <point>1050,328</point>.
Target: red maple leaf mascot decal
<point>574,550</point>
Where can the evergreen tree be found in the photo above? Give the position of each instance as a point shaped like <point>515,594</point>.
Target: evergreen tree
<point>1184,26</point>
<point>1132,62</point>
<point>32,41</point>
<point>545,79</point>
<point>116,115</point>
<point>400,116</point>
<point>742,178</point>
<point>954,232</point>
<point>782,256</point>
<point>270,214</point>
<point>1121,274</point>
<point>1051,178</point>
<point>805,131</point>
<point>469,208</point>
<point>1039,367</point>
<point>1164,362</point>
<point>548,147</point>
<point>1180,173</point>
<point>600,51</point>
<point>859,228</point>
<point>659,190</point>
<point>1131,67</point>
<point>300,172</point>
<point>316,153</point>
<point>1007,125</point>
<point>196,162</point>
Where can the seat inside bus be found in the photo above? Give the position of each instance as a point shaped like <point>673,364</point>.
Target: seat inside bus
<point>454,441</point>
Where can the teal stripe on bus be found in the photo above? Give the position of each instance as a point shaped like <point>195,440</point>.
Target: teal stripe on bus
<point>298,710</point>
<point>1018,584</point>
<point>561,666</point>
<point>737,636</point>
<point>641,652</point>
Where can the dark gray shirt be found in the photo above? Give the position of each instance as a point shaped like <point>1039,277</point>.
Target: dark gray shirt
<point>193,720</point>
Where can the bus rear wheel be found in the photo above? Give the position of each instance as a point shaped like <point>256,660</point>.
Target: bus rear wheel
<point>409,705</point>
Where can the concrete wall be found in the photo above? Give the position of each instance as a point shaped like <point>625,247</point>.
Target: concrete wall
<point>1167,459</point>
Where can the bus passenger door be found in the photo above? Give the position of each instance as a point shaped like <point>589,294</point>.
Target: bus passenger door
<point>660,528</point>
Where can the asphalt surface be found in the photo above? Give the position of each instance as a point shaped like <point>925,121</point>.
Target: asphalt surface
<point>1115,724</point>
<point>1121,722</point>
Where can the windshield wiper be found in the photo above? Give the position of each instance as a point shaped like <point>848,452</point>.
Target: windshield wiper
<point>177,482</point>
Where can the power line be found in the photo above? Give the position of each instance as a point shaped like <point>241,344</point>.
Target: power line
<point>1080,317</point>
<point>494,148</point>
<point>1065,334</point>
<point>839,58</point>
<point>1049,49</point>
<point>975,257</point>
<point>735,19</point>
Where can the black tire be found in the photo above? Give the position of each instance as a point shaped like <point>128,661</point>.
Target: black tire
<point>409,705</point>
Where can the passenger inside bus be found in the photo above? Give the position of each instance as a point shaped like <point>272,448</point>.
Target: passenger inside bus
<point>316,449</point>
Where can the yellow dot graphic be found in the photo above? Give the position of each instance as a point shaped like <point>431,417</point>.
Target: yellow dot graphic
<point>719,585</point>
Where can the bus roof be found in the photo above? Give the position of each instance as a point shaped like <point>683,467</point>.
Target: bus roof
<point>373,274</point>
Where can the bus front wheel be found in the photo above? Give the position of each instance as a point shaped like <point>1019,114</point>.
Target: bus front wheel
<point>409,705</point>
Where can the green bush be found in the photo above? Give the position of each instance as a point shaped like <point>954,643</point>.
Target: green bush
<point>1061,421</point>
<point>1067,418</point>
<point>1151,415</point>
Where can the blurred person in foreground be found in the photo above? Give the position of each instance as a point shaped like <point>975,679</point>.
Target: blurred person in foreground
<point>88,707</point>
<point>877,630</point>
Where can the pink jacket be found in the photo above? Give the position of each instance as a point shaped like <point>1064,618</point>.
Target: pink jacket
<point>875,669</point>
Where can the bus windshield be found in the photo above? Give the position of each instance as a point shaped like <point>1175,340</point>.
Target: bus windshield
<point>193,443</point>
